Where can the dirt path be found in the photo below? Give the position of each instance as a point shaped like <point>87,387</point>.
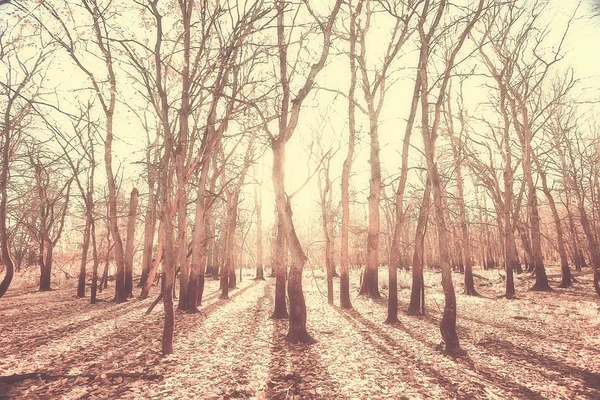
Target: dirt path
<point>544,345</point>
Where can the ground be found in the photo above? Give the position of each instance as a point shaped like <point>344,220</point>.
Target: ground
<point>542,345</point>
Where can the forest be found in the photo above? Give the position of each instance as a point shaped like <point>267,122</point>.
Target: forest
<point>275,199</point>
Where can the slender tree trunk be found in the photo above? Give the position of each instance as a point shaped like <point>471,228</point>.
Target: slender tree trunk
<point>149,225</point>
<point>567,278</point>
<point>95,265</point>
<point>327,222</point>
<point>260,274</point>
<point>155,262</point>
<point>347,167</point>
<point>199,246</point>
<point>133,203</point>
<point>84,254</point>
<point>465,242</point>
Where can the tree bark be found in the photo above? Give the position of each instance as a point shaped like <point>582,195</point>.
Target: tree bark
<point>280,311</point>
<point>260,273</point>
<point>417,293</point>
<point>133,203</point>
<point>150,217</point>
<point>567,278</point>
<point>465,242</point>
<point>84,254</point>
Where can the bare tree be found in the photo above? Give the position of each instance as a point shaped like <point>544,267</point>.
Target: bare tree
<point>287,122</point>
<point>18,91</point>
<point>430,134</point>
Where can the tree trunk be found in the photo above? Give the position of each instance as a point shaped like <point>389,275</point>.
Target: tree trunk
<point>181,254</point>
<point>465,242</point>
<point>297,315</point>
<point>169,280</point>
<point>541,279</point>
<point>280,311</point>
<point>96,262</point>
<point>84,254</point>
<point>199,246</point>
<point>149,230</point>
<point>6,257</point>
<point>567,278</point>
<point>46,253</point>
<point>327,225</point>
<point>370,283</point>
<point>417,294</point>
<point>155,262</point>
<point>346,169</point>
<point>260,273</point>
<point>133,203</point>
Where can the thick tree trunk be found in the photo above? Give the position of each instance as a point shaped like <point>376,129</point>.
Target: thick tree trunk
<point>46,260</point>
<point>129,241</point>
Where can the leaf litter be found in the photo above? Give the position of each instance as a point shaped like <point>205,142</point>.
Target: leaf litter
<point>542,345</point>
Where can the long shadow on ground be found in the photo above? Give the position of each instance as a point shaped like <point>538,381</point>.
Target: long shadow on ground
<point>590,381</point>
<point>92,360</point>
<point>370,331</point>
<point>308,377</point>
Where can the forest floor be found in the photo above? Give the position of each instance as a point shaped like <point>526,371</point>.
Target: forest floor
<point>542,345</point>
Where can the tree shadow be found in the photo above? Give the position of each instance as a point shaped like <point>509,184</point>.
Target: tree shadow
<point>36,338</point>
<point>136,336</point>
<point>390,350</point>
<point>308,378</point>
<point>368,329</point>
<point>520,354</point>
